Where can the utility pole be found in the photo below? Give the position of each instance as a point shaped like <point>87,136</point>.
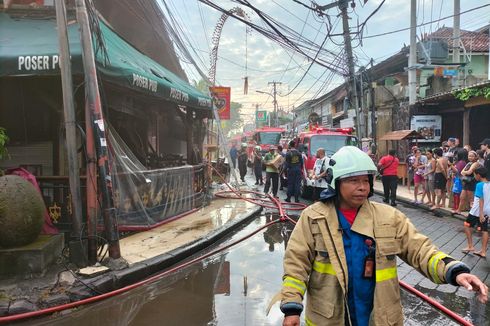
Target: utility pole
<point>456,41</point>
<point>97,124</point>
<point>343,4</point>
<point>350,62</point>
<point>70,129</point>
<point>363,114</point>
<point>412,58</point>
<point>274,94</point>
<point>256,112</point>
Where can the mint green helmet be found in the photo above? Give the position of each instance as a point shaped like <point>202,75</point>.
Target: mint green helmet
<point>351,161</point>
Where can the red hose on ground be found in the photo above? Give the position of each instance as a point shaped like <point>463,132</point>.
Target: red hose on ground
<point>283,217</point>
<point>256,201</point>
<point>436,304</point>
<point>154,278</point>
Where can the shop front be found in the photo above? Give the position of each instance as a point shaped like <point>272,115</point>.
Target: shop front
<point>154,121</point>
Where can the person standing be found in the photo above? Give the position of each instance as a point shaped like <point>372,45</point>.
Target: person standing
<point>469,181</point>
<point>440,176</point>
<point>451,153</point>
<point>233,154</point>
<point>430,168</point>
<point>319,173</point>
<point>242,161</point>
<point>258,166</point>
<point>418,175</point>
<point>282,169</point>
<point>456,168</point>
<point>388,167</point>
<point>271,172</point>
<point>410,172</point>
<point>294,165</point>
<point>485,146</point>
<point>479,213</point>
<point>342,254</point>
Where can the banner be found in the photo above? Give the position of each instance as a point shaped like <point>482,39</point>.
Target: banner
<point>261,116</point>
<point>221,100</point>
<point>428,126</point>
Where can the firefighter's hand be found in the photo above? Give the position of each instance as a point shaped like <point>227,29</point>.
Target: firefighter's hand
<point>473,283</point>
<point>291,320</point>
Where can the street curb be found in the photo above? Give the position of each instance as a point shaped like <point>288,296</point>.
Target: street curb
<point>438,212</point>
<point>141,270</point>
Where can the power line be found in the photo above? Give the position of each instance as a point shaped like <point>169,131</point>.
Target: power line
<point>423,24</point>
<point>304,5</point>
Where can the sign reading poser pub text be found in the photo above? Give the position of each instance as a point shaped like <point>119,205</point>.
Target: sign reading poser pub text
<point>37,62</point>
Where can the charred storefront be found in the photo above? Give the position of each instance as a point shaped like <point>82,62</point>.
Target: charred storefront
<point>153,122</point>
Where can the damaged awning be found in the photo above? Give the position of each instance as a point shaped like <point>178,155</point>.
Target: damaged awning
<point>401,135</point>
<point>29,47</point>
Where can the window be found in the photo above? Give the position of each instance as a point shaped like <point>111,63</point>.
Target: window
<point>331,143</point>
<point>269,138</point>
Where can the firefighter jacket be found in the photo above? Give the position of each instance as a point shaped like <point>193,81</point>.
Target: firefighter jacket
<point>315,263</point>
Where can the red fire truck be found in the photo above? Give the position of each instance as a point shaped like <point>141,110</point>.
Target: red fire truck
<point>308,142</point>
<point>265,137</point>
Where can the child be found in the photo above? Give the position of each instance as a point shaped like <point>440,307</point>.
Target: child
<point>479,212</point>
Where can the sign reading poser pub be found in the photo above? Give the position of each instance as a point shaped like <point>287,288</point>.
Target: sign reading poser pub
<point>29,47</point>
<point>221,100</point>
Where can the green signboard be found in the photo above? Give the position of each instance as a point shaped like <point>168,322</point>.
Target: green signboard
<point>261,116</point>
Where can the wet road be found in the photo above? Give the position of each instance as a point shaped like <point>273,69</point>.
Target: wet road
<point>235,287</point>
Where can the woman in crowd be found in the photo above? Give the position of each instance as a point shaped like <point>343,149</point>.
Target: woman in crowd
<point>418,175</point>
<point>469,181</point>
<point>430,168</point>
<point>456,168</point>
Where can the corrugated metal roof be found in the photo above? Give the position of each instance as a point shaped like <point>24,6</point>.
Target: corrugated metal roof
<point>449,94</point>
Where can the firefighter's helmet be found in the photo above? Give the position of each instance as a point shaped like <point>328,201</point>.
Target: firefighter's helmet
<point>347,162</point>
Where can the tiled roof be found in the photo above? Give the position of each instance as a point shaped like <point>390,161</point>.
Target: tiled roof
<point>472,41</point>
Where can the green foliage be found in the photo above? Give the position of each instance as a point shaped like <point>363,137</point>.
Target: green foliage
<point>467,93</point>
<point>4,139</point>
<point>236,121</point>
<point>202,86</point>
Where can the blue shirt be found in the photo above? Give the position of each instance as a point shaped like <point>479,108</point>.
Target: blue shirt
<point>360,295</point>
<point>233,153</point>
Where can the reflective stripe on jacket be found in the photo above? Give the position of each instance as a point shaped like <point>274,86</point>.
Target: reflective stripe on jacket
<point>324,277</point>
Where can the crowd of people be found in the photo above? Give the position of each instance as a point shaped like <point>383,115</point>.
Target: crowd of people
<point>449,176</point>
<point>279,174</point>
<point>342,253</point>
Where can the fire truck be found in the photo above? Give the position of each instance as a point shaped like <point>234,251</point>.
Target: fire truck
<point>265,137</point>
<point>308,142</point>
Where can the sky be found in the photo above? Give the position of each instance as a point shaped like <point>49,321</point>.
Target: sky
<point>267,61</point>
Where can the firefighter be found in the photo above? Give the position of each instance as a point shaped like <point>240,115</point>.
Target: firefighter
<point>242,161</point>
<point>293,165</point>
<point>342,254</point>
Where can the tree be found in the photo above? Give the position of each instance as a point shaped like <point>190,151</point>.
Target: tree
<point>236,120</point>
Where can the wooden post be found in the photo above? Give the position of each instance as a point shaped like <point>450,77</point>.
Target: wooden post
<point>70,121</point>
<point>189,132</point>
